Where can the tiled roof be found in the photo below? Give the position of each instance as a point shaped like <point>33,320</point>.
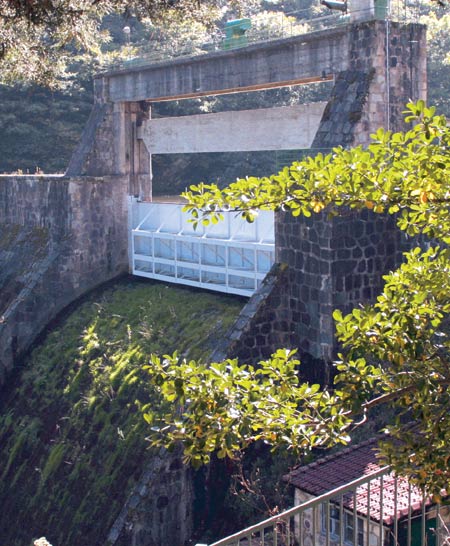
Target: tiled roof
<point>350,464</point>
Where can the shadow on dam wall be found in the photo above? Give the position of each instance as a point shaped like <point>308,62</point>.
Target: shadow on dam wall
<point>59,238</point>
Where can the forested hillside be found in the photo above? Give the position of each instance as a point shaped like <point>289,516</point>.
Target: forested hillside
<point>39,128</point>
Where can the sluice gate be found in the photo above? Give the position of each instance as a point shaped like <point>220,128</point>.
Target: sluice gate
<point>232,256</point>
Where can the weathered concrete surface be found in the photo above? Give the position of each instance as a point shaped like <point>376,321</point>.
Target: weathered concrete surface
<point>95,126</point>
<point>258,66</point>
<point>80,231</point>
<point>292,127</point>
<point>109,144</point>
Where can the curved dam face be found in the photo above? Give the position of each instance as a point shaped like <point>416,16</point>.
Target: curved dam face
<point>59,238</point>
<point>77,465</point>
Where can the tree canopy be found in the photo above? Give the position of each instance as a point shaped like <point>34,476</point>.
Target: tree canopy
<point>395,351</point>
<point>39,39</point>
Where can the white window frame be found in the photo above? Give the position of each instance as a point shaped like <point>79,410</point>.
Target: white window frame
<point>335,525</point>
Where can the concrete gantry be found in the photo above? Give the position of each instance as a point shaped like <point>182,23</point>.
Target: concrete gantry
<point>283,62</point>
<point>377,65</point>
<point>391,54</point>
<point>123,98</point>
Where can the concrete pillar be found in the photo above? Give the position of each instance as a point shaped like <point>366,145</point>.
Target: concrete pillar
<point>144,158</point>
<point>111,144</point>
<point>139,156</point>
<point>339,262</point>
<point>395,55</point>
<point>131,157</point>
<point>121,140</point>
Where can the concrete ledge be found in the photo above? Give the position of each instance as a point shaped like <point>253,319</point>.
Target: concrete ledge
<point>270,64</point>
<point>235,131</point>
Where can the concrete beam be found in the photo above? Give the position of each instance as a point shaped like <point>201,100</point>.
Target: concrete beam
<point>287,128</point>
<point>299,59</point>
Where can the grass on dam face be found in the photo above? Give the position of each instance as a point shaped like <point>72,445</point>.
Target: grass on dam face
<point>72,435</point>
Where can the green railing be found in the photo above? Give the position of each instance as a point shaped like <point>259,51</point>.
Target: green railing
<point>389,511</point>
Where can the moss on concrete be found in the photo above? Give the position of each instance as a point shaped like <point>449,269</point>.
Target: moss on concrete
<point>72,437</point>
<point>10,236</point>
<point>21,249</point>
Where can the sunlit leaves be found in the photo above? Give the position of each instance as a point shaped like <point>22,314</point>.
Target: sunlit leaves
<point>406,173</point>
<point>38,40</point>
<point>395,351</point>
<point>226,406</point>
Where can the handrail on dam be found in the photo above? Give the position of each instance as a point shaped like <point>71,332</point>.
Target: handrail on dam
<point>285,25</point>
<point>232,256</point>
<point>147,54</point>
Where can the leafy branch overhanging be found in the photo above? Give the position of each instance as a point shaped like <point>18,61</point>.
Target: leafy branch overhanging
<point>395,352</point>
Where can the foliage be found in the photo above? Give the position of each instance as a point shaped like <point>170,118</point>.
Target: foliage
<point>71,433</point>
<point>38,40</point>
<point>270,24</point>
<point>40,128</point>
<point>396,350</point>
<point>256,490</point>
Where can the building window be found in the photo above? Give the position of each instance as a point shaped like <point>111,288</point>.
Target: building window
<point>335,520</point>
<point>347,529</point>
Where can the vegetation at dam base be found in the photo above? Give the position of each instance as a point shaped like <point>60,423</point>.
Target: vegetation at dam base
<point>72,435</point>
<point>395,351</point>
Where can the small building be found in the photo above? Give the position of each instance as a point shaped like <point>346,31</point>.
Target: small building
<point>388,510</point>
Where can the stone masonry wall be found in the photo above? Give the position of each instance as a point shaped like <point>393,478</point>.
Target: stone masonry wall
<point>334,264</point>
<point>159,510</point>
<point>339,262</point>
<point>79,226</point>
<point>269,322</point>
<point>396,54</point>
<point>263,323</point>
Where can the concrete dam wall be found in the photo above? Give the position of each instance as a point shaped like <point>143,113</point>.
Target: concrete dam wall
<point>59,238</point>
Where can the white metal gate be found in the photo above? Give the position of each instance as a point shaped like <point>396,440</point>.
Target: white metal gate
<point>232,256</point>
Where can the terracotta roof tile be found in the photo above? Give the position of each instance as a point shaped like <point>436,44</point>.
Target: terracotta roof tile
<point>342,467</point>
